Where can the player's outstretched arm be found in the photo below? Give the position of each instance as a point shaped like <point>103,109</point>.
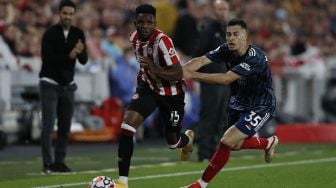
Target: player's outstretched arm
<point>215,78</point>
<point>196,63</point>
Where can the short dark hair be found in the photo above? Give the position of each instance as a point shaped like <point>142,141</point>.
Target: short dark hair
<point>237,21</point>
<point>145,8</point>
<point>66,3</point>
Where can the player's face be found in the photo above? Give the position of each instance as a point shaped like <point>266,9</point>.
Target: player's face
<point>66,16</point>
<point>236,38</point>
<point>145,23</point>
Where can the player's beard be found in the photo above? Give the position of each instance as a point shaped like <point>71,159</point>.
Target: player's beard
<point>66,23</point>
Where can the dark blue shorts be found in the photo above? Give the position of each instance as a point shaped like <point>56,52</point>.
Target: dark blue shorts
<point>247,121</point>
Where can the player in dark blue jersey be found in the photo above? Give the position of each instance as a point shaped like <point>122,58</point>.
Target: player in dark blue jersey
<point>252,101</point>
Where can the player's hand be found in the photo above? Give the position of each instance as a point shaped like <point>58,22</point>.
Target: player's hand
<point>187,74</point>
<point>79,46</point>
<point>146,62</point>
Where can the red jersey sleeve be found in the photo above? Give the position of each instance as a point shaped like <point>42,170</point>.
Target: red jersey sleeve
<point>168,51</point>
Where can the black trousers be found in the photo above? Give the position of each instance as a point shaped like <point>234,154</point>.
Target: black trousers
<point>213,114</point>
<point>57,104</point>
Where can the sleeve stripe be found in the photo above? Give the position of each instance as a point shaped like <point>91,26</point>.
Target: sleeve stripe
<point>252,52</point>
<point>168,50</point>
<point>132,36</point>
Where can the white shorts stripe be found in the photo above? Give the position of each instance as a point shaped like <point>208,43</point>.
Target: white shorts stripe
<point>262,122</point>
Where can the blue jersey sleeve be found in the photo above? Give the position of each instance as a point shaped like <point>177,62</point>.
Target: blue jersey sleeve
<point>218,55</point>
<point>250,65</point>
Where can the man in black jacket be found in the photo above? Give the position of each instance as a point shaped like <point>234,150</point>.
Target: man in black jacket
<point>62,45</point>
<point>213,115</point>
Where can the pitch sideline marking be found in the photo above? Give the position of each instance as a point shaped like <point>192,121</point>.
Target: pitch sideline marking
<point>312,161</point>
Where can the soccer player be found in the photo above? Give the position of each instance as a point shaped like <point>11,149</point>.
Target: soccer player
<point>159,85</point>
<point>252,101</point>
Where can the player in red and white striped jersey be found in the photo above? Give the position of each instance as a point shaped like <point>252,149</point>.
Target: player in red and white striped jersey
<point>160,86</point>
<point>159,52</point>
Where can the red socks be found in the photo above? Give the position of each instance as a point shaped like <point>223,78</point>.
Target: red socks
<point>222,154</point>
<point>254,143</point>
<point>218,160</point>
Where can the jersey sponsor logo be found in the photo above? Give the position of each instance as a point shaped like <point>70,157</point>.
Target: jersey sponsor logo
<point>245,66</point>
<point>171,51</point>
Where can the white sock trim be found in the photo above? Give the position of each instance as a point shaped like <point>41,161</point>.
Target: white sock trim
<point>128,127</point>
<point>175,145</point>
<point>203,183</point>
<point>123,179</point>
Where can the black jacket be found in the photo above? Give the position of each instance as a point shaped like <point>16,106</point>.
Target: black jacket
<point>56,63</point>
<point>211,36</point>
<point>186,34</point>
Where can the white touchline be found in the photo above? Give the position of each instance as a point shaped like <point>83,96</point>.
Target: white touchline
<point>312,161</point>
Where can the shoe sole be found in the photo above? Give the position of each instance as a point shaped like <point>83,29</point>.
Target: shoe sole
<point>270,153</point>
<point>47,172</point>
<point>185,152</point>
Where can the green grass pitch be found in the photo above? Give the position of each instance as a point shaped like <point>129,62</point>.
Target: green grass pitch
<point>295,166</point>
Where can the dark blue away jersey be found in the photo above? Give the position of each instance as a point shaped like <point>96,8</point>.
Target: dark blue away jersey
<point>254,90</point>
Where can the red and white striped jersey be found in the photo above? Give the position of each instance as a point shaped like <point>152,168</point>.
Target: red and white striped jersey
<point>160,49</point>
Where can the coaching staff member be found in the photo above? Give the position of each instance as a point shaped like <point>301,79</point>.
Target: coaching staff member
<point>62,45</point>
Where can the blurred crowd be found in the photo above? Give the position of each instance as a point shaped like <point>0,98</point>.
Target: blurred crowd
<point>291,32</point>
<point>273,24</point>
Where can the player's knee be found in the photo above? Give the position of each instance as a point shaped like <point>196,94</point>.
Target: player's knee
<point>236,147</point>
<point>227,141</point>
